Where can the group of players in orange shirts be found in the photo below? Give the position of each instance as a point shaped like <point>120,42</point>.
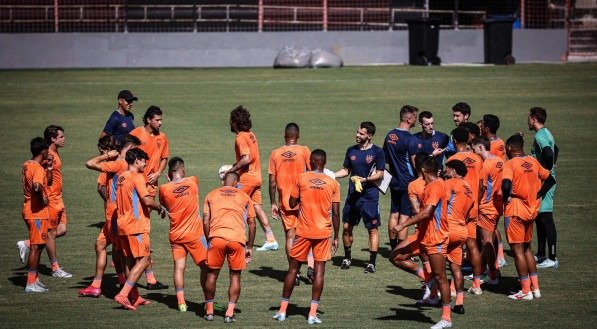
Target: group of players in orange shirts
<point>476,188</point>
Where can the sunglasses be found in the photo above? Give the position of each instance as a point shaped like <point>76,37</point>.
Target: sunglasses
<point>129,101</point>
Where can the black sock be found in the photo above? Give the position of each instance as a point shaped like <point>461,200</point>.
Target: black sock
<point>372,257</point>
<point>393,243</point>
<point>541,234</point>
<point>550,234</point>
<point>347,253</point>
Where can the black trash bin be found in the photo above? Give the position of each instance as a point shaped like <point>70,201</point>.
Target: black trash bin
<point>423,41</point>
<point>498,41</point>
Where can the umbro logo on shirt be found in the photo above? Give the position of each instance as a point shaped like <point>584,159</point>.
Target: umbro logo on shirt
<point>317,183</point>
<point>181,191</point>
<point>393,138</point>
<point>526,165</point>
<point>289,154</point>
<point>468,161</point>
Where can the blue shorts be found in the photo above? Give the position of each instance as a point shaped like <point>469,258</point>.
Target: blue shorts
<point>353,211</point>
<point>400,202</point>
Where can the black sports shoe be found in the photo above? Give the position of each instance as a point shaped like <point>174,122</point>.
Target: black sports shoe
<point>209,317</point>
<point>459,309</point>
<point>297,280</point>
<point>156,286</point>
<point>370,268</point>
<point>310,274</point>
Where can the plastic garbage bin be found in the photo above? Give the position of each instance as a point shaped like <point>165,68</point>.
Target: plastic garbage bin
<point>423,41</point>
<point>498,41</point>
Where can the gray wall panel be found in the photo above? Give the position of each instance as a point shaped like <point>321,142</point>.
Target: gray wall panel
<point>87,50</point>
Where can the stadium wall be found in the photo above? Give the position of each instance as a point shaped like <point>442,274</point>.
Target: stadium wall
<point>129,50</point>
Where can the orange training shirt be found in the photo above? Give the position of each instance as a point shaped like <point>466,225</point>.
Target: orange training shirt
<point>229,209</point>
<point>287,162</point>
<point>33,172</point>
<point>133,216</point>
<point>246,143</point>
<point>434,230</point>
<point>474,165</point>
<point>526,174</point>
<point>317,192</point>
<point>181,198</point>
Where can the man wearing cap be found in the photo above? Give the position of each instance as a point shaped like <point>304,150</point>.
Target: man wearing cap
<point>120,122</point>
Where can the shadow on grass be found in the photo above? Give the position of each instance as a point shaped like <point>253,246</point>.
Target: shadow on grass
<point>97,225</point>
<point>407,314</point>
<point>294,309</point>
<point>110,285</point>
<point>382,251</point>
<point>507,286</point>
<point>270,272</point>
<point>337,262</point>
<point>19,277</point>
<point>172,302</point>
<point>413,294</point>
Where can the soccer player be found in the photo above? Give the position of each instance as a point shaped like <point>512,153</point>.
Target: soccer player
<point>37,175</point>
<point>473,130</point>
<point>155,143</point>
<point>461,113</point>
<point>285,165</point>
<point>249,168</point>
<point>316,194</point>
<point>120,122</point>
<point>432,237</point>
<point>365,163</point>
<point>415,195</point>
<point>226,213</point>
<point>491,124</point>
<point>545,151</point>
<point>490,206</point>
<point>498,148</point>
<point>459,198</point>
<point>398,149</point>
<point>180,197</point>
<point>134,203</point>
<point>111,164</point>
<point>54,136</point>
<point>474,166</point>
<point>429,140</point>
<point>522,191</point>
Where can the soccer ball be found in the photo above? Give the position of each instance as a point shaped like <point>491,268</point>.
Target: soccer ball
<point>223,169</point>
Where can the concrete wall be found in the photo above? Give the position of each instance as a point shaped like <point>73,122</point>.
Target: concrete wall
<point>87,50</point>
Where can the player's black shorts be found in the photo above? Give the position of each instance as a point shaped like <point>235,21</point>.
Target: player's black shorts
<point>353,211</point>
<point>400,202</point>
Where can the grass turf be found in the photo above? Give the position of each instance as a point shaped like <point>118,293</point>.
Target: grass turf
<point>328,105</point>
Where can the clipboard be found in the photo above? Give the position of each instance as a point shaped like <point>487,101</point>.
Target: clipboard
<point>382,184</point>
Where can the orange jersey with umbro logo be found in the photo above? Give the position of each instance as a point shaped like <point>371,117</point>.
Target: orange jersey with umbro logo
<point>474,166</point>
<point>228,208</point>
<point>526,175</point>
<point>317,191</point>
<point>491,200</point>
<point>459,200</point>
<point>181,198</point>
<point>287,163</point>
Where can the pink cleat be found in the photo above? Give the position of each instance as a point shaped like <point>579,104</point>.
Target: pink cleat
<point>90,292</point>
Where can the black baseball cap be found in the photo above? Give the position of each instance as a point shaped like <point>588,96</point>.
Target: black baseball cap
<point>127,95</point>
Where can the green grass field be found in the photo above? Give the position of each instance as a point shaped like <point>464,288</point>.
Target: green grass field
<point>328,105</point>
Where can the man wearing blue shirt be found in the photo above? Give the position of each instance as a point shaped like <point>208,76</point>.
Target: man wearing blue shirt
<point>365,163</point>
<point>399,148</point>
<point>429,140</point>
<point>120,122</point>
